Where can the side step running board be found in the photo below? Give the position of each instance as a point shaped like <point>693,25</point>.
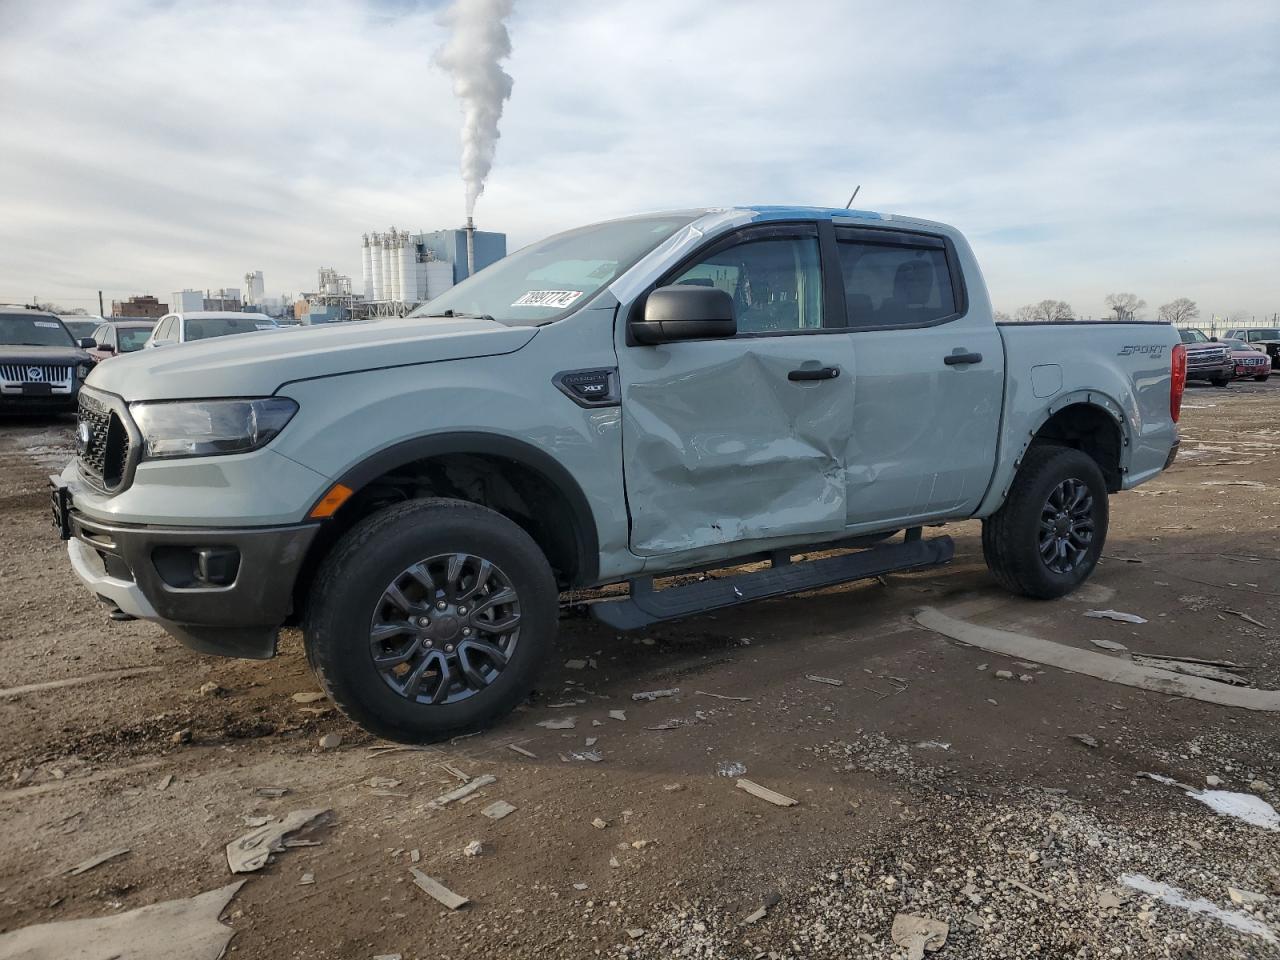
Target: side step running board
<point>646,606</point>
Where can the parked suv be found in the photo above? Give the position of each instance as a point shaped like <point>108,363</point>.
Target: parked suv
<point>120,336</point>
<point>1266,339</point>
<point>623,402</point>
<point>41,364</point>
<point>205,325</point>
<point>1207,359</point>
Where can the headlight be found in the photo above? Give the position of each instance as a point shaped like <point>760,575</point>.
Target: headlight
<point>205,428</point>
<point>82,369</point>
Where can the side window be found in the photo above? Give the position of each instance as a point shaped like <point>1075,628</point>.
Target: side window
<point>775,283</point>
<point>162,331</point>
<point>889,285</point>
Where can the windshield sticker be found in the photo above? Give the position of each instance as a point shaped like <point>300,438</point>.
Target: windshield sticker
<point>47,323</point>
<point>557,299</point>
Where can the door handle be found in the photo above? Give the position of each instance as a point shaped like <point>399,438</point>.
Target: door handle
<point>952,359</point>
<point>814,373</point>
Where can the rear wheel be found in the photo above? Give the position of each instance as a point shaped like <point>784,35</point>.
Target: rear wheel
<point>1046,538</point>
<point>430,619</point>
<point>1263,378</point>
<point>1220,381</point>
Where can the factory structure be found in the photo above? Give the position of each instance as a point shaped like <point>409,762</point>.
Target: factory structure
<point>399,267</point>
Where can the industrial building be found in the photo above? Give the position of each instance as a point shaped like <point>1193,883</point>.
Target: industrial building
<point>408,268</point>
<point>187,301</point>
<point>140,306</point>
<point>255,288</point>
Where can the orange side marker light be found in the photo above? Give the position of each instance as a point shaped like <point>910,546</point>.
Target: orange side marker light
<point>331,501</point>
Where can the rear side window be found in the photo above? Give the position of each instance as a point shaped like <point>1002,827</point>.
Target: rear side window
<point>895,284</point>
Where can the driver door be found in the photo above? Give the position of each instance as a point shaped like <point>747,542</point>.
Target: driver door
<point>741,438</point>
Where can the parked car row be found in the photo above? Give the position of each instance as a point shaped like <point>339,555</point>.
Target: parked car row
<point>1221,361</point>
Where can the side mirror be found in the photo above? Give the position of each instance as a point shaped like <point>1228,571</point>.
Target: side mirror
<point>87,343</point>
<point>685,312</point>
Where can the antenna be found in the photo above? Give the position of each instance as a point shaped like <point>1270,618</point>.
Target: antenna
<point>852,195</point>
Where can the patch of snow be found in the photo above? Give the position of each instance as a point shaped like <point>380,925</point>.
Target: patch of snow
<point>1235,919</point>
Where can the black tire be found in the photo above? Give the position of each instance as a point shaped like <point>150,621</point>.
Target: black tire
<point>1263,378</point>
<point>1220,381</point>
<point>1011,537</point>
<point>351,590</point>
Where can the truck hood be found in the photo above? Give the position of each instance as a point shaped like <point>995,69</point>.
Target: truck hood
<point>20,354</point>
<point>258,364</point>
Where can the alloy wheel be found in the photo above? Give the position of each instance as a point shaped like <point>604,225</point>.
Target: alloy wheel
<point>1066,526</point>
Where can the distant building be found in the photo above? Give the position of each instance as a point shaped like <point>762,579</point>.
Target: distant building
<point>255,289</point>
<point>139,306</point>
<point>228,298</point>
<point>402,267</point>
<point>186,301</point>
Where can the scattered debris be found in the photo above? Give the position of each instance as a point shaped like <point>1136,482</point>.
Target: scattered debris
<point>635,933</point>
<point>828,680</point>
<point>1235,919</point>
<point>331,741</point>
<point>310,696</point>
<point>672,724</point>
<point>575,664</point>
<point>164,782</point>
<point>1039,895</point>
<point>933,745</point>
<point>473,849</point>
<point>181,736</point>
<point>599,824</point>
<point>306,879</point>
<point>1242,806</point>
<point>522,751</point>
<point>564,723</point>
<point>250,852</point>
<point>673,787</point>
<point>756,917</point>
<point>764,793</point>
<point>655,694</point>
<point>730,768</point>
<point>76,681</point>
<point>97,861</point>
<point>1245,617</point>
<point>918,934</point>
<point>270,791</point>
<point>1107,644</point>
<point>1087,740</point>
<point>1243,898</point>
<point>465,790</point>
<point>580,886</point>
<point>1191,668</point>
<point>1004,674</point>
<point>1213,781</point>
<point>498,809</point>
<point>566,704</point>
<point>175,928</point>
<point>437,890</point>
<point>718,696</point>
<point>1260,786</point>
<point>1233,483</point>
<point>641,844</point>
<point>594,756</point>
<point>1111,669</point>
<point>1115,615</point>
<point>617,715</point>
<point>212,689</point>
<point>592,741</point>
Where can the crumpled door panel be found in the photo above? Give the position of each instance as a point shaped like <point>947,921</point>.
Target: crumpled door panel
<point>719,446</point>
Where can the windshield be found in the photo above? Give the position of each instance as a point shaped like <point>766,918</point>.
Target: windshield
<point>1271,333</point>
<point>132,338</point>
<point>1193,336</point>
<point>1237,345</point>
<point>205,328</point>
<point>545,280</point>
<point>21,331</point>
<point>80,329</point>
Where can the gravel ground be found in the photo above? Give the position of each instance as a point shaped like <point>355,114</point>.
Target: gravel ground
<point>926,784</point>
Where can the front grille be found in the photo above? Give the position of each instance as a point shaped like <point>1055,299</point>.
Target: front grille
<point>103,442</point>
<point>1203,358</point>
<point>56,375</point>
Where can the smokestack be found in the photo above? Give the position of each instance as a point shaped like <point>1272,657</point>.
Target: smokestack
<point>471,246</point>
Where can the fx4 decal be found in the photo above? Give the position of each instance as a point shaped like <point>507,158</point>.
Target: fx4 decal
<point>1153,350</point>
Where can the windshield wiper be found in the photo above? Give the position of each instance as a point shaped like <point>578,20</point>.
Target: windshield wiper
<point>452,314</point>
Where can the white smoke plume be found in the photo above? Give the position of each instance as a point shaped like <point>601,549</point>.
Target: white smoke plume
<point>478,41</point>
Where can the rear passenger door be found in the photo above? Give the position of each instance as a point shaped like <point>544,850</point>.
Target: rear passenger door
<point>929,379</point>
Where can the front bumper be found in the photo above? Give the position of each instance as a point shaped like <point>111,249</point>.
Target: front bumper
<point>1212,371</point>
<point>149,573</point>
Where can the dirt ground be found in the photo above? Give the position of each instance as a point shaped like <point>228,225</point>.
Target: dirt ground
<point>926,784</point>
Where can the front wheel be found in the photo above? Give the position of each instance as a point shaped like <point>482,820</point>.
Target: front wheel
<point>1263,378</point>
<point>1046,538</point>
<point>1220,381</point>
<point>430,619</point>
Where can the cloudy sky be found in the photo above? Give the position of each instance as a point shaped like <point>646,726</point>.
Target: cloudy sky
<point>1085,148</point>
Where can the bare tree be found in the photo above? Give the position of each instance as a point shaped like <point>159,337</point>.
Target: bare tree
<point>1002,317</point>
<point>1045,311</point>
<point>1239,316</point>
<point>1179,311</point>
<point>1125,305</point>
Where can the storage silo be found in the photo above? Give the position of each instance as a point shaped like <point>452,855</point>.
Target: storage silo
<point>388,276</point>
<point>408,269</point>
<point>379,280</point>
<point>366,267</point>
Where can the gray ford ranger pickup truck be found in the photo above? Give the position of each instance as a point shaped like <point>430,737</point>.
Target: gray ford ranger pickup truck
<point>614,404</point>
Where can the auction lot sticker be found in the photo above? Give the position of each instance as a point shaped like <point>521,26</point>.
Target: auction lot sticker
<point>559,299</point>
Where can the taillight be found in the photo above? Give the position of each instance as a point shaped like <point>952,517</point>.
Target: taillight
<point>1178,380</point>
